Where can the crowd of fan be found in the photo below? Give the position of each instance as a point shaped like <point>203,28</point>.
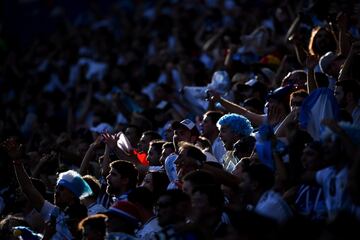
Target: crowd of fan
<point>184,120</point>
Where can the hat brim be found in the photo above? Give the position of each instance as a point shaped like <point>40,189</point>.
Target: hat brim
<point>121,214</point>
<point>177,125</point>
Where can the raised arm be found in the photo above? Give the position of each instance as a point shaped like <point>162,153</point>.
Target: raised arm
<point>211,42</point>
<point>255,119</point>
<point>311,62</point>
<point>89,155</point>
<point>343,36</point>
<point>299,49</point>
<point>347,70</point>
<point>34,196</point>
<point>281,131</point>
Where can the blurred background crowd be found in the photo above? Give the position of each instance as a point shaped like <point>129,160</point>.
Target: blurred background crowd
<point>169,119</point>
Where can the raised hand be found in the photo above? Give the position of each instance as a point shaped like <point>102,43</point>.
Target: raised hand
<point>13,148</point>
<point>213,96</point>
<point>63,137</point>
<point>97,141</point>
<point>110,140</point>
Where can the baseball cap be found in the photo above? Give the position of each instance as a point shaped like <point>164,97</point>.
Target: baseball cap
<point>125,210</point>
<point>101,128</point>
<point>281,93</point>
<point>186,124</point>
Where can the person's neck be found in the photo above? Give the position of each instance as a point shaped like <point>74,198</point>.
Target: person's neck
<point>212,136</point>
<point>122,191</point>
<point>88,201</point>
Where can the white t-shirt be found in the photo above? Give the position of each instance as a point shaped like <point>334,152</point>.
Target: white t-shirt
<point>170,169</point>
<point>273,206</point>
<point>334,184</point>
<point>229,161</point>
<point>148,230</point>
<point>218,149</point>
<point>62,231</point>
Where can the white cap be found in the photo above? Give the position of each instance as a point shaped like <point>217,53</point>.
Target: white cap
<point>101,128</point>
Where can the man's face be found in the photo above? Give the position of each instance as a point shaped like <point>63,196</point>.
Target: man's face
<point>148,182</point>
<point>185,163</point>
<point>132,136</point>
<point>331,150</point>
<point>296,101</point>
<point>169,134</point>
<point>143,145</point>
<point>165,211</point>
<point>228,137</point>
<point>62,196</point>
<point>187,187</point>
<point>164,154</point>
<point>153,156</point>
<point>200,206</point>
<point>181,134</point>
<point>310,159</point>
<point>208,127</point>
<point>340,96</point>
<point>114,182</point>
<point>246,186</point>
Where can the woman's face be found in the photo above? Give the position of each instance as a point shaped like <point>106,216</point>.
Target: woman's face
<point>148,182</point>
<point>310,159</point>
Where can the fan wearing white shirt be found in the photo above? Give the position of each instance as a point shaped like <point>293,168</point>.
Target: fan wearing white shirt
<point>257,183</point>
<point>211,132</point>
<point>143,198</point>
